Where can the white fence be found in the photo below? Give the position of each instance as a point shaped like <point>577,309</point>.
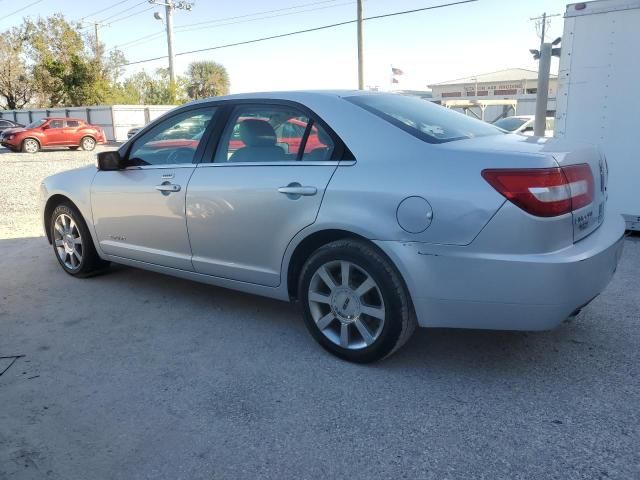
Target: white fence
<point>115,120</point>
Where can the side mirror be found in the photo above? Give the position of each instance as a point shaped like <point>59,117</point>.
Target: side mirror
<point>110,161</point>
<point>44,127</point>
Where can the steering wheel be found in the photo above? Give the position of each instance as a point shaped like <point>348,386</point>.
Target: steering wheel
<point>180,155</point>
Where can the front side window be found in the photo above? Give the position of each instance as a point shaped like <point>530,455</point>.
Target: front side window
<point>173,141</point>
<point>272,134</point>
<point>423,119</point>
<point>55,124</point>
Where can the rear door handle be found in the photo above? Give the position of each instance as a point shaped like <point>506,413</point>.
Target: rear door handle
<point>298,190</point>
<point>168,187</point>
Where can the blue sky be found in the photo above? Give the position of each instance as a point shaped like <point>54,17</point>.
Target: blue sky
<point>429,46</point>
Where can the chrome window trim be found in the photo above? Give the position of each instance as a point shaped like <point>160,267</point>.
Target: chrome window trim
<point>278,164</point>
<point>160,167</point>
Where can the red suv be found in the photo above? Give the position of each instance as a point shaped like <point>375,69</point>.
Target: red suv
<point>53,132</point>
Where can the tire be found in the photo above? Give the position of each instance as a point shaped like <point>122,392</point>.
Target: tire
<point>88,143</point>
<point>30,145</point>
<point>74,148</point>
<point>72,243</point>
<point>374,297</point>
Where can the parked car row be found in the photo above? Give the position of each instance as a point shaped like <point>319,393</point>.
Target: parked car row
<point>52,132</point>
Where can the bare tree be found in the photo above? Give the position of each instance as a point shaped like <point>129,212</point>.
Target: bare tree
<point>16,87</point>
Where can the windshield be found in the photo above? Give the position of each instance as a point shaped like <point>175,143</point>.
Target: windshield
<point>510,124</point>
<point>423,119</point>
<point>36,124</point>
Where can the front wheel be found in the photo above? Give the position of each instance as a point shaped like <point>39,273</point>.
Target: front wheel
<point>30,146</point>
<point>72,242</point>
<point>88,144</point>
<point>355,303</point>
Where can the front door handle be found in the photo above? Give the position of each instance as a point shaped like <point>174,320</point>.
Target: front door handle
<point>166,187</point>
<point>297,190</point>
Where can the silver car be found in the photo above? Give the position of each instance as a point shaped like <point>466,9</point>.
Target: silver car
<point>376,212</point>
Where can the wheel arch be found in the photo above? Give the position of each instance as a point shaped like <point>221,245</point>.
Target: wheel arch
<point>52,202</point>
<point>305,248</point>
<point>31,137</point>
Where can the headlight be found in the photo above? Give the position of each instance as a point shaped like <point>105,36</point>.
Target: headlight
<point>10,137</point>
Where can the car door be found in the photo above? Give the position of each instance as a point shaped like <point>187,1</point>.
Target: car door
<point>246,203</point>
<point>53,132</point>
<point>70,132</point>
<point>139,211</point>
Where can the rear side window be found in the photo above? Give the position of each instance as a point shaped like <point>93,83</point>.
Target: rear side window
<point>267,134</point>
<point>73,123</point>
<point>423,119</point>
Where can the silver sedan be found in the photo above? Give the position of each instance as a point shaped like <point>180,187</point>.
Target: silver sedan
<point>376,212</point>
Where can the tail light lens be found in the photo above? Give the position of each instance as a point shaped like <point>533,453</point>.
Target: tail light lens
<point>544,192</point>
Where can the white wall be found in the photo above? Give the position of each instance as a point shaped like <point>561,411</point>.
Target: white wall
<point>115,120</point>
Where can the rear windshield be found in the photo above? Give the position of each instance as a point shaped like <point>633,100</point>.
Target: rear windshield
<point>423,119</point>
<point>510,124</point>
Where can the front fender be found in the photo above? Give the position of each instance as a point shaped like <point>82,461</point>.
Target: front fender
<point>74,185</point>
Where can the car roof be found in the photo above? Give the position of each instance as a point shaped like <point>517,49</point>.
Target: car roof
<point>295,95</point>
<point>64,118</point>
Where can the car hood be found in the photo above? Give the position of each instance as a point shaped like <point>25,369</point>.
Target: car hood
<point>13,130</point>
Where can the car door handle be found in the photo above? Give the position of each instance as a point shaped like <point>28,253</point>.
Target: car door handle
<point>168,187</point>
<point>298,190</point>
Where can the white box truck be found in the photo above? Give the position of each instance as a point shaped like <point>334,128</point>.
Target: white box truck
<point>598,98</point>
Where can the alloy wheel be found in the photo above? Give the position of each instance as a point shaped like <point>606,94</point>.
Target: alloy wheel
<point>68,241</point>
<point>88,143</point>
<point>30,146</point>
<point>346,304</point>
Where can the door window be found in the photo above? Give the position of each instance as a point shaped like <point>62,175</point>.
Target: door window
<point>173,141</point>
<point>272,134</point>
<point>55,124</point>
<point>73,123</point>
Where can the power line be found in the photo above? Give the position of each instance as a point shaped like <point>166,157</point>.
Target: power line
<point>293,7</point>
<point>21,9</point>
<point>123,11</point>
<point>183,29</point>
<point>104,9</point>
<point>129,15</point>
<point>298,32</point>
<point>202,25</point>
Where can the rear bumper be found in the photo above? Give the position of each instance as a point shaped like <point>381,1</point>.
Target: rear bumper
<point>457,287</point>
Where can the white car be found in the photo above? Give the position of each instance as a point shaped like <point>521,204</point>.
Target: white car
<point>523,124</point>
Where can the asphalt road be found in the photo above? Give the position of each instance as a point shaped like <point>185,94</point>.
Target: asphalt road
<point>134,375</point>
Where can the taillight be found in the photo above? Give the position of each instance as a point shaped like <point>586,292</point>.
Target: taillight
<point>544,192</point>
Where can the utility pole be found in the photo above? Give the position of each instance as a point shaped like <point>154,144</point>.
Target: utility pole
<point>169,7</point>
<point>544,68</point>
<point>360,49</point>
<point>96,32</point>
<point>542,94</point>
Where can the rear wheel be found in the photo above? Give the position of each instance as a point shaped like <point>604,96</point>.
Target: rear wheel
<point>72,242</point>
<point>30,145</point>
<point>355,303</point>
<point>88,143</point>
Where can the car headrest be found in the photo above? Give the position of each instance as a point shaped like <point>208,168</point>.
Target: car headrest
<point>257,133</point>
